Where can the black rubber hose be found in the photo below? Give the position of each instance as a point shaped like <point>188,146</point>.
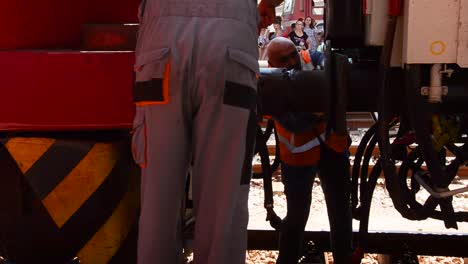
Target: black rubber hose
<point>263,139</point>
<point>366,201</point>
<point>356,167</point>
<point>419,114</point>
<point>275,220</point>
<point>268,130</point>
<point>387,163</point>
<point>427,210</point>
<point>277,160</point>
<point>365,166</point>
<point>420,117</point>
<point>266,170</point>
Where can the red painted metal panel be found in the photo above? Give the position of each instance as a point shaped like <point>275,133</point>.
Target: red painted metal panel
<point>52,24</point>
<point>65,90</point>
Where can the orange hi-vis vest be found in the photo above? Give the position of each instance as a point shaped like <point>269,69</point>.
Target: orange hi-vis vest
<point>300,149</point>
<point>303,149</point>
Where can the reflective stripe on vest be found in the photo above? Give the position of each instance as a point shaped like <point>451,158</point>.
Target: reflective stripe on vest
<point>306,158</point>
<point>303,148</point>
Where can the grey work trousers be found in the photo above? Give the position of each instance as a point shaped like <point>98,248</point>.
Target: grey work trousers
<point>196,94</point>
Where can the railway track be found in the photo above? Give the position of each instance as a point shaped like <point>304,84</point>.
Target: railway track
<point>420,243</point>
<point>462,171</point>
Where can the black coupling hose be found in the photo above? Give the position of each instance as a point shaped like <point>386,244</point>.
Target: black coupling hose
<point>283,91</point>
<point>274,219</point>
<point>280,90</point>
<point>267,172</point>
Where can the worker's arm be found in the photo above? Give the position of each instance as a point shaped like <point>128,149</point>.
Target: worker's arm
<point>266,8</point>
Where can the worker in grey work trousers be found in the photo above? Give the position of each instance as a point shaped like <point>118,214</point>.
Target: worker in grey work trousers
<point>195,96</point>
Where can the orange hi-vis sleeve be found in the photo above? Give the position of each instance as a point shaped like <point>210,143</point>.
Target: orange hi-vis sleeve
<point>339,143</point>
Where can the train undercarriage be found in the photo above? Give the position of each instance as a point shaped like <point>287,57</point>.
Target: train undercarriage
<point>421,122</point>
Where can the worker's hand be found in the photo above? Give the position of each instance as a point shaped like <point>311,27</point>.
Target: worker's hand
<point>267,14</point>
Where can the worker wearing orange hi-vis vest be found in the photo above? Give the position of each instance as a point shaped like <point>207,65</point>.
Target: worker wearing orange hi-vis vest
<point>195,94</point>
<point>304,144</point>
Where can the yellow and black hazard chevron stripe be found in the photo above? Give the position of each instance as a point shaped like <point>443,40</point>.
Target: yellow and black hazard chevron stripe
<point>89,191</point>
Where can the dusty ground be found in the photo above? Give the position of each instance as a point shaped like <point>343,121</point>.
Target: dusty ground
<point>383,217</point>
<point>269,257</point>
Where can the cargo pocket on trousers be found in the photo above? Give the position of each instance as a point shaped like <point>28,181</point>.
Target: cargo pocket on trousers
<point>242,67</point>
<point>152,86</point>
<point>240,91</point>
<point>139,138</point>
<point>240,88</point>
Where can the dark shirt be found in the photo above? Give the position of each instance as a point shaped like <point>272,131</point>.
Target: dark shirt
<point>297,40</point>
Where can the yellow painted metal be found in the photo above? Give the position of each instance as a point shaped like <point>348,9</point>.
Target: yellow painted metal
<point>105,243</point>
<point>81,183</point>
<point>78,186</point>
<point>26,151</point>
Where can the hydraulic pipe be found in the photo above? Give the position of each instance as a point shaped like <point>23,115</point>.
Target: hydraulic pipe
<point>309,91</point>
<point>285,91</point>
<point>282,91</point>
